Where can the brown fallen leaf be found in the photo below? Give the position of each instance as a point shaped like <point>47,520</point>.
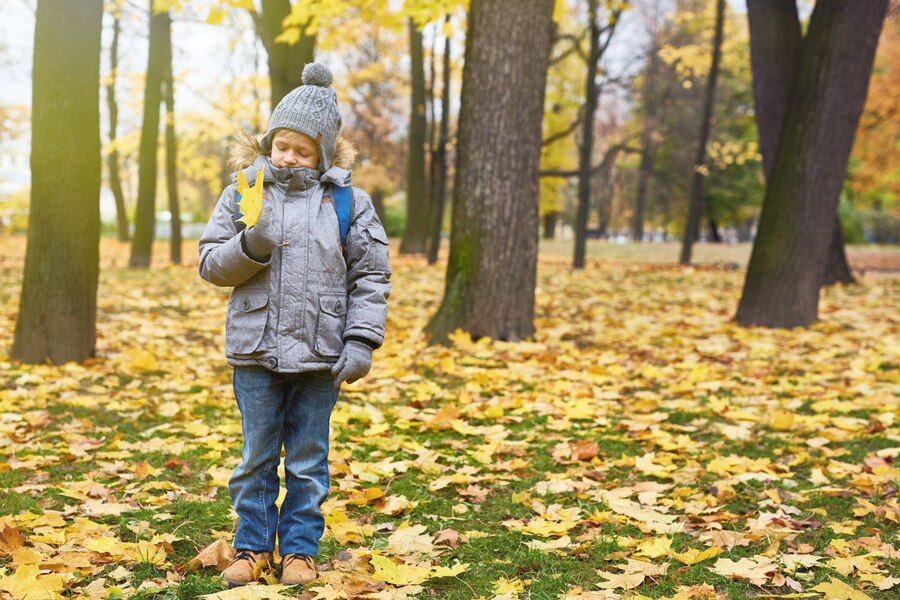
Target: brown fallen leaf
<point>217,554</point>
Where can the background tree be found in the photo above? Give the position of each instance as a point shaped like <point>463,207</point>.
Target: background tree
<point>693,221</point>
<point>168,84</point>
<point>493,242</point>
<point>440,155</point>
<point>416,232</point>
<point>871,209</point>
<point>600,36</point>
<point>288,33</point>
<point>775,45</point>
<point>112,159</point>
<point>790,253</point>
<point>145,215</point>
<point>58,306</point>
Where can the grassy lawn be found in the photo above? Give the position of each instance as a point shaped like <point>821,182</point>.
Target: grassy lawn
<point>638,429</point>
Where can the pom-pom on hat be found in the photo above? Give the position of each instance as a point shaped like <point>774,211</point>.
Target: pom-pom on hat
<point>310,109</point>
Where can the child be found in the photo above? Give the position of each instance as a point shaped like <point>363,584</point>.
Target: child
<point>305,315</point>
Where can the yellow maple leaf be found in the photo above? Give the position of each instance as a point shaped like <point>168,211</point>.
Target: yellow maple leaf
<point>840,591</point>
<point>251,200</point>
<point>398,574</point>
<point>693,556</point>
<point>25,583</point>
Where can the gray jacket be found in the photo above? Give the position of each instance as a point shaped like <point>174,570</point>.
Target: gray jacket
<point>294,312</point>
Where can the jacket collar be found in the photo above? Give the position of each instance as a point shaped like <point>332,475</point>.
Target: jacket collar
<point>303,176</point>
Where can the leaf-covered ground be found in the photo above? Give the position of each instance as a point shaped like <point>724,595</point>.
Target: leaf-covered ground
<point>641,445</point>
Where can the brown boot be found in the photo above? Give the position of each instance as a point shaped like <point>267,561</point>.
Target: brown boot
<point>298,569</point>
<point>245,567</point>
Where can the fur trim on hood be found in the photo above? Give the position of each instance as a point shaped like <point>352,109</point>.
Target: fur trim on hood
<point>244,149</point>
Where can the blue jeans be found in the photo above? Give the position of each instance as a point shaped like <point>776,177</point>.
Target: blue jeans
<point>294,410</point>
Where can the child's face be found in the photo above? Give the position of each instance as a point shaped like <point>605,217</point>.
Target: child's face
<point>292,149</point>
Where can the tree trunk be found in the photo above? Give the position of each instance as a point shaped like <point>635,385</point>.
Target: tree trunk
<point>797,222</point>
<point>171,151</point>
<point>145,217</point>
<point>416,195</point>
<point>378,203</point>
<point>646,168</point>
<point>285,61</point>
<point>693,222</point>
<point>58,303</point>
<point>112,160</point>
<point>550,220</point>
<point>586,148</point>
<point>493,247</point>
<point>837,269</point>
<point>441,156</point>
<point>776,42</point>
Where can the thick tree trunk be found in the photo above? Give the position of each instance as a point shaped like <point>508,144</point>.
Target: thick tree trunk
<point>775,46</point>
<point>112,160</point>
<point>797,222</point>
<point>171,151</point>
<point>776,42</point>
<point>285,61</point>
<point>145,215</point>
<point>58,304</point>
<point>493,247</point>
<point>693,221</point>
<point>441,155</point>
<point>586,148</point>
<point>416,191</point>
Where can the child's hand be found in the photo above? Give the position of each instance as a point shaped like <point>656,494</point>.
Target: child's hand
<point>354,363</point>
<point>262,238</point>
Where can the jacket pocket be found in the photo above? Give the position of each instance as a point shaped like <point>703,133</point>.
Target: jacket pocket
<point>246,321</point>
<point>330,325</point>
<point>378,251</point>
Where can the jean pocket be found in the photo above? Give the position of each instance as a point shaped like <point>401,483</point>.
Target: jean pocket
<point>330,326</point>
<point>246,321</point>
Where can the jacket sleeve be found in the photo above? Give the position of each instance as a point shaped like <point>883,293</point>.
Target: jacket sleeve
<point>223,258</point>
<point>368,274</point>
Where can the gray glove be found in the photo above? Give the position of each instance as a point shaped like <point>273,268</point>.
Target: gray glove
<point>262,238</point>
<point>354,363</point>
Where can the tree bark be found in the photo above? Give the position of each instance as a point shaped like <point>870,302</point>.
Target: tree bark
<point>58,303</point>
<point>416,192</point>
<point>493,247</point>
<point>285,61</point>
<point>112,160</point>
<point>145,215</point>
<point>788,261</point>
<point>693,221</point>
<point>171,150</point>
<point>776,42</point>
<point>441,155</point>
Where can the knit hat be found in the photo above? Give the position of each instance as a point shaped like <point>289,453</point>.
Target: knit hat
<point>310,109</point>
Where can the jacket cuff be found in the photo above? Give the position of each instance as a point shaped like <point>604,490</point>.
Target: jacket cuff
<point>251,256</point>
<point>370,343</point>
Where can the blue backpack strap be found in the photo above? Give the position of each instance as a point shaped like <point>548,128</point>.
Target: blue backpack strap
<point>341,197</point>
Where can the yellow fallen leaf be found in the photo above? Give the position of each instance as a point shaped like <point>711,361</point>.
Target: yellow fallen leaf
<point>838,590</point>
<point>27,583</point>
<point>398,574</point>
<point>693,556</point>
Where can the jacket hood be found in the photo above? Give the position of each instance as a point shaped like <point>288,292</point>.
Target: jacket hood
<point>245,148</point>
